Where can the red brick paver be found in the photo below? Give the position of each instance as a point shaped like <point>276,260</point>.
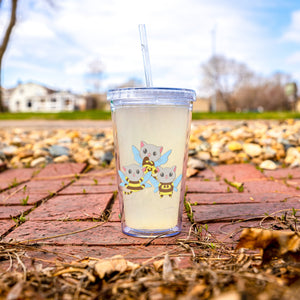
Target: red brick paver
<point>72,207</point>
<point>63,207</point>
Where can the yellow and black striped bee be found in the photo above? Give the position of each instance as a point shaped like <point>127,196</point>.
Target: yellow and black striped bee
<point>149,157</point>
<point>134,179</point>
<point>166,182</point>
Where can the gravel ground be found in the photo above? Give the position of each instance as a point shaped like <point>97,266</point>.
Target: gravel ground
<point>267,144</point>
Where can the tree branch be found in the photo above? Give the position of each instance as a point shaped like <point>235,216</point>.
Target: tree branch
<point>12,22</point>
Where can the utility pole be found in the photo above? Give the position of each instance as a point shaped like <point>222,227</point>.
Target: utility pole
<point>213,53</point>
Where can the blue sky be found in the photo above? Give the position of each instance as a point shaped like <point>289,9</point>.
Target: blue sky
<point>54,45</point>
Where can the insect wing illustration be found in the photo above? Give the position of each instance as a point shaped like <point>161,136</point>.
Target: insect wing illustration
<point>134,179</point>
<point>167,181</point>
<point>136,154</point>
<point>163,159</point>
<point>123,177</point>
<point>155,183</point>
<point>149,157</point>
<point>146,178</point>
<point>176,182</point>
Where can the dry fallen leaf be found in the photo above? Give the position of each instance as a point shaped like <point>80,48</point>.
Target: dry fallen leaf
<point>275,244</point>
<point>115,264</point>
<point>168,268</point>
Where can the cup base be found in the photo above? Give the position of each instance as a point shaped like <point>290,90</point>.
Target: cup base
<point>143,233</point>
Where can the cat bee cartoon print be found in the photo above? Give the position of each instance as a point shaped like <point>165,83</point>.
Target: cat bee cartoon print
<point>134,179</point>
<point>166,181</point>
<point>150,157</point>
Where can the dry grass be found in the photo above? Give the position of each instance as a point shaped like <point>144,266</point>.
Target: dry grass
<point>217,272</point>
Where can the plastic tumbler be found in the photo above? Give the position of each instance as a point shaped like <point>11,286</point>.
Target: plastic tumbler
<point>151,133</point>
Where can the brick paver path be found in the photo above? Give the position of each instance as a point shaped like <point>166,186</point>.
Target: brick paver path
<point>59,210</point>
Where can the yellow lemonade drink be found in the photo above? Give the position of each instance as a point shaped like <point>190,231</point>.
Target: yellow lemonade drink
<point>151,153</point>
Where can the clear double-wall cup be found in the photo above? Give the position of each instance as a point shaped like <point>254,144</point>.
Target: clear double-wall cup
<point>151,133</point>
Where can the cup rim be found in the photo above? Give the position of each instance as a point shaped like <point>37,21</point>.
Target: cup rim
<point>151,93</point>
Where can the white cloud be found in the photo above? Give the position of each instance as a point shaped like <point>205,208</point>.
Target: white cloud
<point>34,29</point>
<point>65,39</point>
<point>293,32</point>
<point>294,58</point>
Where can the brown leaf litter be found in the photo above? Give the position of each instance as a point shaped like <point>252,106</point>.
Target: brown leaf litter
<point>217,271</point>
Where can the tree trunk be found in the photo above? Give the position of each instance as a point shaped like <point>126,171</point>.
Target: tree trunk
<point>3,46</point>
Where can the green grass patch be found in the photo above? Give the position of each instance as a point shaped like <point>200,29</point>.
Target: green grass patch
<point>74,115</point>
<point>276,115</point>
<point>106,115</point>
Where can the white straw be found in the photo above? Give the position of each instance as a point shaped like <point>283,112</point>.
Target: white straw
<point>145,51</point>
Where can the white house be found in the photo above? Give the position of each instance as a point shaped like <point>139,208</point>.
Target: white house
<point>33,97</point>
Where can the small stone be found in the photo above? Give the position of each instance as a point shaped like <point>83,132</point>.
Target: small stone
<point>17,141</point>
<point>109,148</point>
<point>192,152</point>
<point>15,161</point>
<point>234,146</point>
<point>100,135</point>
<point>240,134</point>
<point>25,153</point>
<point>291,155</point>
<point>252,150</point>
<point>96,145</point>
<point>268,165</point>
<point>216,148</point>
<point>82,156</point>
<point>65,140</point>
<point>107,157</point>
<point>228,157</point>
<point>269,152</point>
<point>296,163</point>
<point>73,134</point>
<point>61,159</point>
<point>202,155</point>
<point>98,154</point>
<point>196,164</point>
<point>10,150</point>
<point>26,161</point>
<point>38,162</point>
<point>242,157</point>
<point>256,160</point>
<point>57,150</point>
<point>40,153</point>
<point>2,155</point>
<point>205,146</point>
<point>93,162</point>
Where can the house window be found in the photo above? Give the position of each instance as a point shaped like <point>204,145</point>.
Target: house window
<point>29,103</point>
<point>67,102</point>
<point>53,100</point>
<point>42,100</point>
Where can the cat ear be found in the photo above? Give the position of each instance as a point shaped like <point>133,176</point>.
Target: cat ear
<point>124,169</point>
<point>157,169</point>
<point>174,169</point>
<point>144,169</point>
<point>161,149</point>
<point>142,144</point>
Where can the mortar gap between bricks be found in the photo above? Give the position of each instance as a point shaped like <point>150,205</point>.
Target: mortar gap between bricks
<point>45,199</point>
<point>11,186</point>
<point>23,214</point>
<point>108,209</point>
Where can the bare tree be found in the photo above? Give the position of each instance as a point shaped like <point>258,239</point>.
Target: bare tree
<point>4,43</point>
<point>95,73</point>
<point>267,93</point>
<point>222,76</point>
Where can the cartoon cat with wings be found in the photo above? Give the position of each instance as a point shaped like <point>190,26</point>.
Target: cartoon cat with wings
<point>149,157</point>
<point>134,179</point>
<point>166,181</point>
